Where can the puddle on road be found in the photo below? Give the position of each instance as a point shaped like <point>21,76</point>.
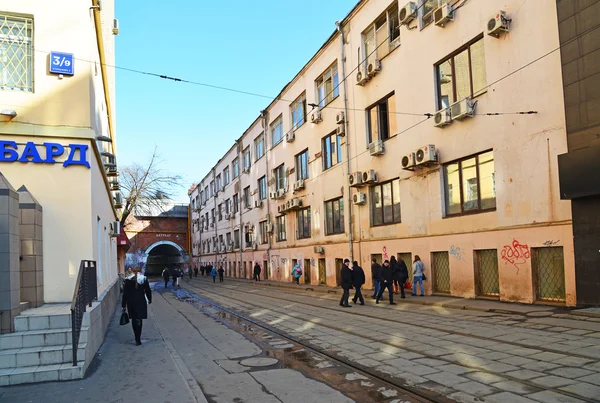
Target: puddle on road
<point>361,388</point>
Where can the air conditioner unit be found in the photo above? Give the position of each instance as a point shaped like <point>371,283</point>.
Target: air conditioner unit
<point>373,67</point>
<point>408,161</point>
<point>355,179</point>
<point>442,118</point>
<point>407,13</point>
<point>341,130</point>
<point>319,249</point>
<point>272,195</point>
<point>270,228</point>
<point>111,171</point>
<point>462,109</point>
<point>316,117</point>
<point>359,198</point>
<point>281,209</point>
<point>498,24</point>
<point>369,176</point>
<point>115,228</point>
<point>118,200</point>
<point>290,137</point>
<point>362,77</point>
<point>295,203</point>
<point>376,148</point>
<point>340,118</point>
<point>255,246</point>
<point>299,185</point>
<point>114,185</point>
<point>288,204</point>
<point>280,193</point>
<point>227,216</point>
<point>115,27</point>
<point>258,203</point>
<point>426,155</point>
<point>443,15</point>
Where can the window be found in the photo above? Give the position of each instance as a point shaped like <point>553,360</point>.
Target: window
<point>470,185</point>
<point>236,238</point>
<point>227,206</point>
<point>220,207</point>
<point>221,240</point>
<point>281,235</point>
<point>228,238</point>
<point>206,194</point>
<point>461,75</point>
<point>332,151</point>
<point>386,29</point>
<point>236,168</point>
<point>328,86</point>
<point>262,188</point>
<point>259,146</point>
<point>276,131</point>
<point>219,183</point>
<point>303,217</point>
<point>279,175</point>
<point>236,203</point>
<point>248,238</point>
<point>385,203</point>
<point>426,9</point>
<point>212,215</point>
<point>193,204</point>
<point>264,232</point>
<point>298,108</point>
<point>16,53</point>
<point>302,165</point>
<point>381,119</point>
<point>247,158</point>
<point>247,197</point>
<point>201,197</point>
<point>212,188</point>
<point>226,176</point>
<point>334,216</point>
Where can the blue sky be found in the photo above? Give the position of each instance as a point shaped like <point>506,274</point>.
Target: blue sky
<point>255,46</point>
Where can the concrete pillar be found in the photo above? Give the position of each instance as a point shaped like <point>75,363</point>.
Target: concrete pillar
<point>10,281</point>
<point>32,262</point>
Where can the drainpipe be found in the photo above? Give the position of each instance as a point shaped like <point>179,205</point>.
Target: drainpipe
<point>264,114</point>
<point>240,206</point>
<point>349,203</point>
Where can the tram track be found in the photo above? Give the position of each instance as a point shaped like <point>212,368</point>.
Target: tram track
<point>206,289</point>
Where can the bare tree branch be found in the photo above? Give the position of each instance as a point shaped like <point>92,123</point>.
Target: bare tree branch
<point>147,188</point>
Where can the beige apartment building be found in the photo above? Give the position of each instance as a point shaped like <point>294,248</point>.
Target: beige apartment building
<point>58,168</point>
<point>441,142</point>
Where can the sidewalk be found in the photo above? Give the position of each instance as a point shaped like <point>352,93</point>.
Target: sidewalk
<point>481,305</point>
<point>119,372</point>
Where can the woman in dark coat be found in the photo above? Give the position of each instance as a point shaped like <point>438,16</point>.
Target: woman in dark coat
<point>346,283</point>
<point>358,279</point>
<point>136,290</point>
<point>399,274</point>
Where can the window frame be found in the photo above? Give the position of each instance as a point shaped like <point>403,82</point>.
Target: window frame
<point>326,150</point>
<point>235,167</point>
<point>259,140</point>
<point>388,129</point>
<point>277,124</point>
<point>429,15</point>
<point>247,158</point>
<point>335,88</point>
<point>226,178</point>
<point>438,84</point>
<point>393,42</point>
<point>246,197</point>
<point>227,206</point>
<point>299,165</point>
<point>281,234</point>
<point>264,233</point>
<point>236,203</point>
<point>459,161</point>
<point>372,202</point>
<point>26,45</point>
<point>236,238</point>
<point>298,103</point>
<point>263,191</point>
<point>280,177</point>
<point>300,223</point>
<point>341,218</point>
<point>219,183</point>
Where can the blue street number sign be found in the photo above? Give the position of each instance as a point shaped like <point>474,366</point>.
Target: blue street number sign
<point>61,63</point>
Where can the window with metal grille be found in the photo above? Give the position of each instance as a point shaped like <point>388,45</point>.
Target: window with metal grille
<point>486,272</point>
<point>303,217</point>
<point>440,267</point>
<point>334,216</point>
<point>548,266</point>
<point>385,203</point>
<point>16,53</point>
<point>281,232</point>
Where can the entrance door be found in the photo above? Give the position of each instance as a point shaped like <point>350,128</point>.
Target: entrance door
<point>548,266</point>
<point>243,274</point>
<point>307,276</point>
<point>266,269</point>
<point>486,273</point>
<point>440,266</point>
<point>322,272</point>
<point>338,271</point>
<point>407,259</point>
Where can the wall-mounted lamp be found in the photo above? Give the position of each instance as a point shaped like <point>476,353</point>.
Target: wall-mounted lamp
<point>7,114</point>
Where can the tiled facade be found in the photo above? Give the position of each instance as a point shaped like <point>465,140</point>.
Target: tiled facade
<point>482,210</point>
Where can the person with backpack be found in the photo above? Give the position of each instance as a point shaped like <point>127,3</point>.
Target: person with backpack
<point>358,279</point>
<point>213,274</point>
<point>346,283</point>
<point>418,275</point>
<point>297,273</point>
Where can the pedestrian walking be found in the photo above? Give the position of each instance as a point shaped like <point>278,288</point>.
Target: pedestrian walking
<point>202,270</point>
<point>195,271</point>
<point>346,283</point>
<point>386,276</point>
<point>376,277</point>
<point>221,271</point>
<point>190,272</point>
<point>165,274</point>
<point>297,273</point>
<point>399,274</point>
<point>213,273</point>
<point>358,279</point>
<point>136,290</point>
<point>174,275</point>
<point>418,275</point>
<point>257,270</point>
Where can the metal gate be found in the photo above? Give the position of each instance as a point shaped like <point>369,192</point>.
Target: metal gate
<point>322,272</point>
<point>548,266</point>
<point>440,267</point>
<point>486,273</point>
<point>307,274</point>
<point>338,271</point>
<point>407,258</point>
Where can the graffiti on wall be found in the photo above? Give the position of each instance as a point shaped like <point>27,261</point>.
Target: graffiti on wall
<point>551,243</point>
<point>313,262</point>
<point>384,254</point>
<point>283,261</point>
<point>516,254</point>
<point>456,253</point>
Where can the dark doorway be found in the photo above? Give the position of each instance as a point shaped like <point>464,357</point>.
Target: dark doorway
<point>322,272</point>
<point>163,256</point>
<point>265,270</point>
<point>338,271</point>
<point>307,275</point>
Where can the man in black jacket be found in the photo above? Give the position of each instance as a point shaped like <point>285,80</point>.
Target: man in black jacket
<point>386,275</point>
<point>399,274</point>
<point>376,277</point>
<point>358,279</point>
<point>346,283</point>
<point>257,271</point>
